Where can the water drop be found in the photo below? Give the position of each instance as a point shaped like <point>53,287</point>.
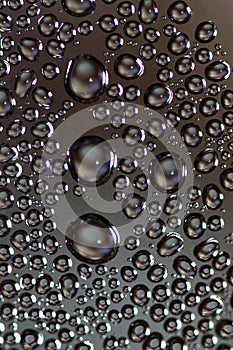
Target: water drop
<point>85,78</point>
<point>43,97</point>
<point>6,23</point>
<point>184,266</point>
<point>138,331</point>
<point>184,65</point>
<point>167,172</point>
<point>194,225</point>
<point>218,71</point>
<point>24,81</point>
<point>6,198</point>
<point>47,25</point>
<point>69,285</point>
<point>133,205</point>
<point>179,12</point>
<point>227,99</point>
<point>91,160</point>
<point>226,179</point>
<point>206,161</point>
<point>206,32</point>
<point>212,196</point>
<point>147,11</point>
<point>92,239</point>
<point>207,249</point>
<point>128,66</point>
<point>211,306</point>
<point>179,44</point>
<point>7,102</point>
<point>158,96</point>
<point>30,48</point>
<point>191,134</point>
<point>79,8</point>
<point>170,244</point>
<point>108,23</point>
<point>225,329</point>
<point>31,339</point>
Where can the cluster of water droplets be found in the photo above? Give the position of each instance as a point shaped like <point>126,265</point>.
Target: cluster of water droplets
<point>171,274</point>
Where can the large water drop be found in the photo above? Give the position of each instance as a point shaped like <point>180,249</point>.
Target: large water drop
<point>92,239</point>
<point>91,160</point>
<point>85,78</point>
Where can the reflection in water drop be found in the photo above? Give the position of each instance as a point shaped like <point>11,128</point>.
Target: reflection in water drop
<point>92,239</point>
<point>167,172</point>
<point>91,160</point>
<point>85,78</point>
